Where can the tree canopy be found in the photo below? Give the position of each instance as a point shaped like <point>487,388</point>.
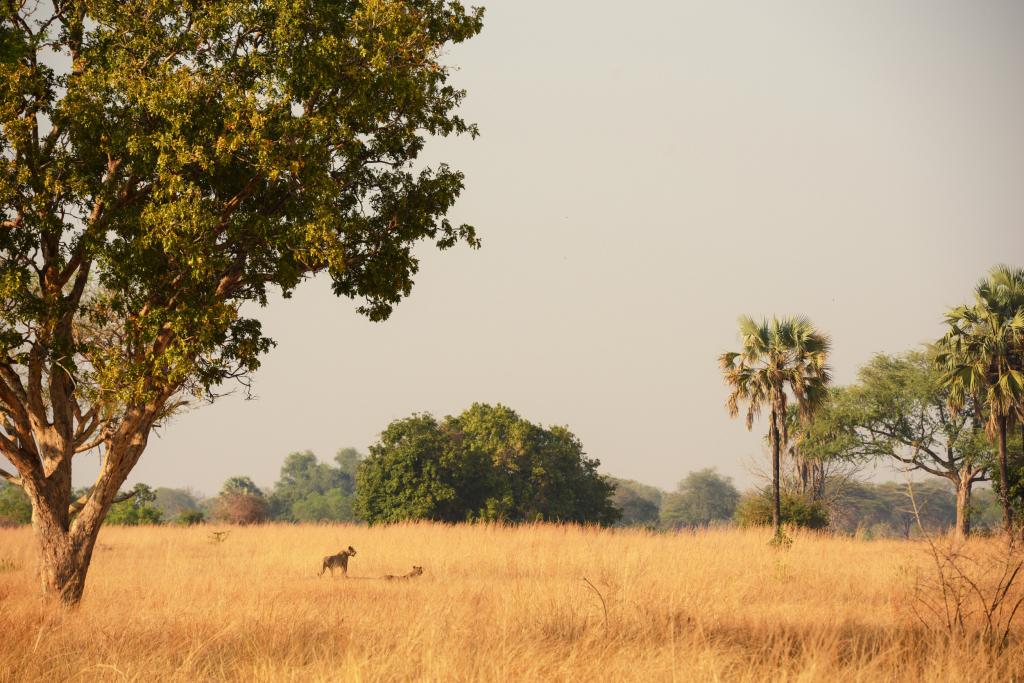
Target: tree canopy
<point>701,498</point>
<point>640,504</point>
<point>487,463</point>
<point>899,410</point>
<point>164,167</point>
<point>311,491</point>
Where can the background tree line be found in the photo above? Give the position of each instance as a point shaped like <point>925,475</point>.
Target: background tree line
<point>311,491</point>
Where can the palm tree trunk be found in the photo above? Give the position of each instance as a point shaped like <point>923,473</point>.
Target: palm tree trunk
<point>1004,474</point>
<point>776,493</point>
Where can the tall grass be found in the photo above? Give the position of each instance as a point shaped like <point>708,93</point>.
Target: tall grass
<point>495,604</point>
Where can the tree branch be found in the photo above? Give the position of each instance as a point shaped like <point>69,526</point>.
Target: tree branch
<point>10,478</point>
<point>84,498</point>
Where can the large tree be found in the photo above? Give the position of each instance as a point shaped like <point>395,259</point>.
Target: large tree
<point>487,463</point>
<point>983,356</point>
<point>312,491</point>
<point>640,504</point>
<point>899,410</point>
<point>702,498</point>
<point>779,359</point>
<point>165,167</point>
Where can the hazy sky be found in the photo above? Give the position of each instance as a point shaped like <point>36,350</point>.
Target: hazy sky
<point>647,172</point>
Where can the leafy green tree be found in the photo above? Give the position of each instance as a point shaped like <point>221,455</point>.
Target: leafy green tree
<point>983,356</point>
<point>15,506</point>
<point>759,509</point>
<point>139,509</point>
<point>702,497</point>
<point>190,518</point>
<point>348,460</point>
<point>418,470</point>
<point>899,411</point>
<point>778,358</point>
<point>310,491</point>
<point>487,463</point>
<point>332,505</point>
<point>163,168</point>
<point>241,485</point>
<point>640,504</point>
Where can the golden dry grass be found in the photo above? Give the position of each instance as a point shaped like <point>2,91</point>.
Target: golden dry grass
<point>494,604</point>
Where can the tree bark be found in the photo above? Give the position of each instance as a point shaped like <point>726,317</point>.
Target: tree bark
<point>963,506</point>
<point>64,553</point>
<point>804,471</point>
<point>776,492</point>
<point>64,563</point>
<point>1004,474</point>
<point>65,547</point>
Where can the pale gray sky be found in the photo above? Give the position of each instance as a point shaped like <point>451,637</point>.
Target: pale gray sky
<point>649,171</point>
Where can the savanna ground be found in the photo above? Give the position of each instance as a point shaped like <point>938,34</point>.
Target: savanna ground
<point>494,604</point>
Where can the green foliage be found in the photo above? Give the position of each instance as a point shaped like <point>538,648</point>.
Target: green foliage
<point>981,351</point>
<point>311,491</point>
<point>241,485</point>
<point>190,518</point>
<point>348,460</point>
<point>165,167</point>
<point>777,355</point>
<point>14,504</point>
<point>639,503</point>
<point>755,509</point>
<point>702,498</point>
<point>488,464</point>
<point>139,509</point>
<point>899,410</point>
<point>332,505</point>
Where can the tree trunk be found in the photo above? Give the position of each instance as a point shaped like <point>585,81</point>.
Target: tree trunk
<point>963,506</point>
<point>1004,474</point>
<point>776,493</point>
<point>63,564</point>
<point>65,546</point>
<point>64,554</point>
<point>804,470</point>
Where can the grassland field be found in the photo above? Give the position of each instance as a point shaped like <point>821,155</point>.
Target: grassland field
<point>494,604</point>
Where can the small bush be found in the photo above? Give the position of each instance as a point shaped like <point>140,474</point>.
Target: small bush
<point>190,518</point>
<point>14,505</point>
<point>756,510</point>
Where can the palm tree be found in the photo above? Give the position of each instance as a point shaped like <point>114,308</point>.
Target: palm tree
<point>778,358</point>
<point>982,354</point>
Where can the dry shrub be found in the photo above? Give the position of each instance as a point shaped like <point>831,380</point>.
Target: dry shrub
<point>971,591</point>
<point>241,508</point>
<point>968,591</point>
